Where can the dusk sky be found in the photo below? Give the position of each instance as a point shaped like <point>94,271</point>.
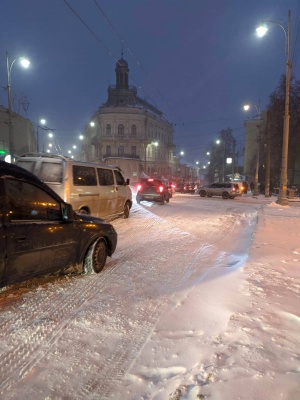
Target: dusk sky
<point>198,61</point>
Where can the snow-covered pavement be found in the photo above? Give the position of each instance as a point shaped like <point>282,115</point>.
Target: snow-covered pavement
<point>201,300</point>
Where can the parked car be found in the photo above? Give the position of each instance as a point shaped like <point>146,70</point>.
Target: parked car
<point>41,234</point>
<point>92,189</point>
<point>227,190</point>
<point>152,190</point>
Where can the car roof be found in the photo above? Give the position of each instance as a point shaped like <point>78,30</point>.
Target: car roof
<point>8,170</point>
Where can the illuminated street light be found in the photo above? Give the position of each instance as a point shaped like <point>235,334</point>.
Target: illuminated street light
<point>25,64</point>
<point>92,124</point>
<point>282,199</point>
<point>182,153</point>
<point>42,122</point>
<point>81,137</point>
<point>247,107</point>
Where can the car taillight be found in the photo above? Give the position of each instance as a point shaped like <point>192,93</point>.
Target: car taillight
<point>233,189</point>
<point>160,189</point>
<point>139,187</point>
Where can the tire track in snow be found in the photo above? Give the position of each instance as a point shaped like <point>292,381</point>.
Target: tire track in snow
<point>44,324</point>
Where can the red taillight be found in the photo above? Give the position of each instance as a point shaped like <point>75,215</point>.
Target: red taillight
<point>173,186</point>
<point>150,180</point>
<point>233,189</point>
<point>160,189</point>
<point>139,187</point>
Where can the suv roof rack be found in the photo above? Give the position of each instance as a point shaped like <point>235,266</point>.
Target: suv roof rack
<point>48,155</point>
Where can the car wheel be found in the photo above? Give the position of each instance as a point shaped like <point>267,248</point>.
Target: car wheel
<point>202,193</point>
<point>95,258</point>
<point>84,211</point>
<point>126,210</point>
<point>225,195</point>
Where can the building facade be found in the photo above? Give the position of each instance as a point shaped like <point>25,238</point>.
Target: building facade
<point>129,132</point>
<point>24,136</point>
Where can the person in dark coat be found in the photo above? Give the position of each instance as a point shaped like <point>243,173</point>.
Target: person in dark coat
<point>251,186</point>
<point>245,185</point>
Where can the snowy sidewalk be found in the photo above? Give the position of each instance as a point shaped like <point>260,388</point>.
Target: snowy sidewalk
<point>259,353</point>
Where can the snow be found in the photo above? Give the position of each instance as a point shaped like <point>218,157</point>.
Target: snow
<point>200,301</point>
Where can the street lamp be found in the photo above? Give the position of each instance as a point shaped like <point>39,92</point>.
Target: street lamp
<point>25,64</point>
<point>261,31</point>
<point>247,107</point>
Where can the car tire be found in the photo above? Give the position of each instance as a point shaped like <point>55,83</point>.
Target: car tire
<point>202,193</point>
<point>126,210</point>
<point>225,195</point>
<point>95,258</point>
<point>83,211</point>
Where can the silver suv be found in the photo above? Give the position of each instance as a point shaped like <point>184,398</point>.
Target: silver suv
<point>227,190</point>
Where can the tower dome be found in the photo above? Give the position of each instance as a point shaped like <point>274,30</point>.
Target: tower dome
<point>122,72</point>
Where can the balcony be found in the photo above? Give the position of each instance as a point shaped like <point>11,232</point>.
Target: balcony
<point>112,155</point>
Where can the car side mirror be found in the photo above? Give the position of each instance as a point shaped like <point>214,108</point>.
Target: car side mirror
<point>67,212</point>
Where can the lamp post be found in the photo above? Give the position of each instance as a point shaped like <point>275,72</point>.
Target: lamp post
<point>25,63</point>
<point>218,141</point>
<point>261,31</point>
<point>42,122</point>
<point>246,108</point>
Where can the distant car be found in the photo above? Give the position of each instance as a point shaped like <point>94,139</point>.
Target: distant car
<point>171,188</point>
<point>227,190</point>
<point>242,186</point>
<point>41,234</point>
<point>188,187</point>
<point>151,189</point>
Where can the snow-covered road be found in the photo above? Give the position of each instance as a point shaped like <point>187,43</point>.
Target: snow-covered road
<point>102,336</point>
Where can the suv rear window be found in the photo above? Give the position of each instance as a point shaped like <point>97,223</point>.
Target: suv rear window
<point>51,172</point>
<point>153,182</point>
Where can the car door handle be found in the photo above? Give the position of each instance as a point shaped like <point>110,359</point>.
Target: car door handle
<point>20,239</point>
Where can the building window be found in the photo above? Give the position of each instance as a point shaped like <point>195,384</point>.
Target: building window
<point>108,130</point>
<point>133,130</point>
<point>121,130</point>
<point>121,151</point>
<point>108,150</point>
<point>133,150</point>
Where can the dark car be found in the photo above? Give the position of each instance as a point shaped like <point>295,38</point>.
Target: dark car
<point>152,190</point>
<point>40,233</point>
<point>188,187</point>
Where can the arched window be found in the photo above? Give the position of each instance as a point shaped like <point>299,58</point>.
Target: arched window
<point>121,130</point>
<point>133,130</point>
<point>108,130</point>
